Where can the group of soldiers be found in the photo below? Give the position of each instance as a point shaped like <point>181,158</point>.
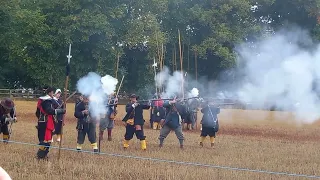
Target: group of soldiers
<point>166,115</point>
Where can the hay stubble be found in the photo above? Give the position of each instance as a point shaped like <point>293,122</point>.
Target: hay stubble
<point>253,142</point>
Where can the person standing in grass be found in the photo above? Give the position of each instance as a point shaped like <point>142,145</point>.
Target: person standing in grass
<point>108,121</point>
<point>133,121</point>
<point>7,116</point>
<point>86,125</point>
<point>46,122</point>
<point>58,118</point>
<point>210,123</point>
<point>172,122</point>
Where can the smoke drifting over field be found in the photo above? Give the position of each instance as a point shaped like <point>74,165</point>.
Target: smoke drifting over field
<point>280,71</point>
<point>97,88</point>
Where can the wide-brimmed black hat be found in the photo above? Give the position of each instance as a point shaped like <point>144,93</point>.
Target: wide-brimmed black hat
<point>50,89</point>
<point>7,103</point>
<point>134,96</point>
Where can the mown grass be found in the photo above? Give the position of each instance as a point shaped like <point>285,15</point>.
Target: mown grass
<point>247,139</point>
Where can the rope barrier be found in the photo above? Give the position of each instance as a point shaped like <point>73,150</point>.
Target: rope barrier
<point>176,162</point>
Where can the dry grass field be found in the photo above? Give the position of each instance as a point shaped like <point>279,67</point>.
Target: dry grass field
<point>247,139</point>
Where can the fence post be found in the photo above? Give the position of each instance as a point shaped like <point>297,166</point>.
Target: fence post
<point>10,93</point>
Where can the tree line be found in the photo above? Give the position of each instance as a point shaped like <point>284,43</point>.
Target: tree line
<point>124,37</point>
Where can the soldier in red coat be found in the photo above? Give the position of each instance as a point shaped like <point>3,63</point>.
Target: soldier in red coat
<point>46,124</point>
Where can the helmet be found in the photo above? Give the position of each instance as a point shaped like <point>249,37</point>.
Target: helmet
<point>7,103</point>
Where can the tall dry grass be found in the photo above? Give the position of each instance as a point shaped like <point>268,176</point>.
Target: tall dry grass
<point>247,139</point>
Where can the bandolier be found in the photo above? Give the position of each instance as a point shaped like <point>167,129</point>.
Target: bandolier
<point>133,121</point>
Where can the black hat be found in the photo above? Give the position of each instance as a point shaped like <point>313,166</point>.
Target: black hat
<point>134,96</point>
<point>49,89</point>
<point>7,103</point>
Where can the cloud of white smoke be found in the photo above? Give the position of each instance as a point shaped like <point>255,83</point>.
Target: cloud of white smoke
<point>193,93</point>
<point>98,89</point>
<point>281,71</point>
<point>172,83</point>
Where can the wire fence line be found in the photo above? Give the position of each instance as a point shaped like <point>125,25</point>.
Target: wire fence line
<point>175,162</point>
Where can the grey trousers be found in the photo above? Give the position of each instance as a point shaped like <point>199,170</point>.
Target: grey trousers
<point>106,123</point>
<point>165,130</point>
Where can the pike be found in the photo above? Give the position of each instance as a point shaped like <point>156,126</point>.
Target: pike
<point>65,96</point>
<point>67,99</point>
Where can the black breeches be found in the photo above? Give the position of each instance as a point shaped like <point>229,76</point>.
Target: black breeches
<point>41,130</point>
<point>4,129</point>
<point>131,130</point>
<point>206,131</point>
<point>57,127</point>
<point>88,129</point>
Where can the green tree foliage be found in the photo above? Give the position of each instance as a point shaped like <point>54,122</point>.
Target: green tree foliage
<point>35,36</point>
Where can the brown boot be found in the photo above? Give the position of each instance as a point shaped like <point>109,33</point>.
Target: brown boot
<point>201,144</point>
<point>109,138</point>
<point>212,144</point>
<point>181,146</point>
<point>101,135</point>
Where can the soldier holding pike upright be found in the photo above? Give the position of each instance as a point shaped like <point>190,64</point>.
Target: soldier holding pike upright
<point>46,122</point>
<point>108,121</point>
<point>86,125</point>
<point>7,116</point>
<point>133,121</point>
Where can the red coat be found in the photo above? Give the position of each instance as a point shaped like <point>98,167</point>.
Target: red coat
<point>45,106</point>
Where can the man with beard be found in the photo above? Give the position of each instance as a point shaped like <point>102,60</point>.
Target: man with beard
<point>133,121</point>
<point>7,116</point>
<point>46,122</point>
<point>85,125</point>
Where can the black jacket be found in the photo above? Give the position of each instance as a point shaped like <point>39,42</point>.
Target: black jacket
<point>78,112</point>
<point>135,113</point>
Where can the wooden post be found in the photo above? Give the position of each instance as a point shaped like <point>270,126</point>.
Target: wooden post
<point>196,66</point>
<point>181,63</point>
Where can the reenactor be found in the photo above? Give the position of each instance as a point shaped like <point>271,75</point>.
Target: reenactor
<point>46,124</point>
<point>133,121</point>
<point>58,118</point>
<point>108,121</point>
<point>210,123</point>
<point>86,125</point>
<point>173,121</point>
<point>7,116</point>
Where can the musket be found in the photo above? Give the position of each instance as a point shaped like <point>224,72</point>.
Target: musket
<point>65,96</point>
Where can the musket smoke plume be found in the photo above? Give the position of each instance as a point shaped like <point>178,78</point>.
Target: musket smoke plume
<point>172,83</point>
<point>97,88</point>
<point>193,93</point>
<point>281,71</point>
